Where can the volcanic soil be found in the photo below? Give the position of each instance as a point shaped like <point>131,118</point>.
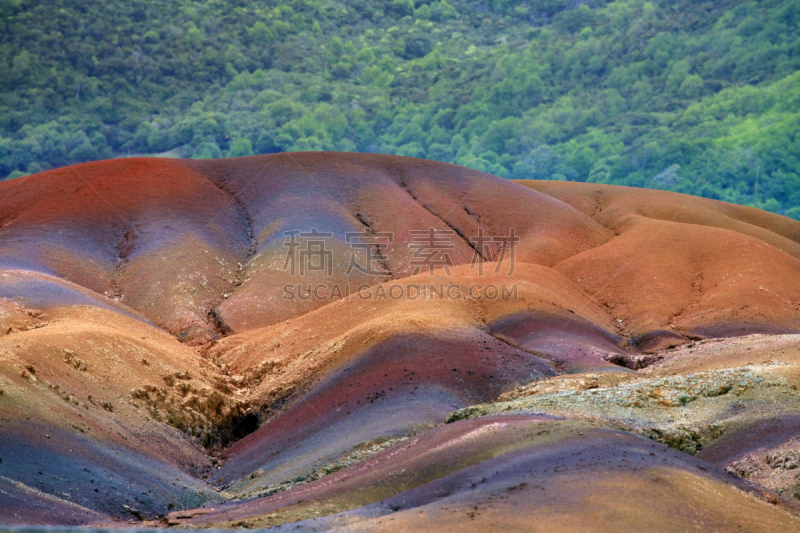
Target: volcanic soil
<point>162,364</point>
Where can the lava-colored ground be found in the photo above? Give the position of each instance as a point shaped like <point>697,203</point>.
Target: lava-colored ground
<point>150,363</point>
<point>521,473</point>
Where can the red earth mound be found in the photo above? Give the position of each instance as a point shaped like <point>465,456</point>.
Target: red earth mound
<point>180,333</point>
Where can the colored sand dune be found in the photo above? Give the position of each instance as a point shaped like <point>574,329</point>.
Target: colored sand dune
<point>166,359</point>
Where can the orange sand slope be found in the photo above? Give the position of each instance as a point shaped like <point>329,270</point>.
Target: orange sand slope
<point>159,352</point>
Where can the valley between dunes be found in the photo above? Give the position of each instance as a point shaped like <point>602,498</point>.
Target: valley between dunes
<point>152,371</point>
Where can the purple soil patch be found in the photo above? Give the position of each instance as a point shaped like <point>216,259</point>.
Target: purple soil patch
<point>473,462</point>
<point>393,388</point>
<point>657,340</point>
<point>412,456</point>
<point>573,343</point>
<point>21,504</point>
<point>99,476</point>
<point>30,290</point>
<point>763,433</point>
<point>522,480</point>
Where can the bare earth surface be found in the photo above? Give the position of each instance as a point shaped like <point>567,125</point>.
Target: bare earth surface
<point>153,370</point>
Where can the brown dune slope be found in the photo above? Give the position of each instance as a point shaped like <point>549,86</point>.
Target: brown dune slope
<point>164,345</point>
<point>188,244</point>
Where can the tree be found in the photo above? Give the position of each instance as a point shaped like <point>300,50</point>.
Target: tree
<point>609,91</point>
<point>241,147</point>
<point>207,150</point>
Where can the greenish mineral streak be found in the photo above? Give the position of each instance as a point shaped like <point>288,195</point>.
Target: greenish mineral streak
<point>683,411</point>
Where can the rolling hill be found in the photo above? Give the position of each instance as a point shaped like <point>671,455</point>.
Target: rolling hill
<point>161,362</point>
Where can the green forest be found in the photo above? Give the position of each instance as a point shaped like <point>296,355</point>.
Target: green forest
<point>700,97</point>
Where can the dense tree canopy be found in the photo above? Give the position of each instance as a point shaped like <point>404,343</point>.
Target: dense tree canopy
<point>695,96</point>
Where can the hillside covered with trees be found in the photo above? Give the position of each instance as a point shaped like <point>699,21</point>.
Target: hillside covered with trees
<point>701,97</point>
